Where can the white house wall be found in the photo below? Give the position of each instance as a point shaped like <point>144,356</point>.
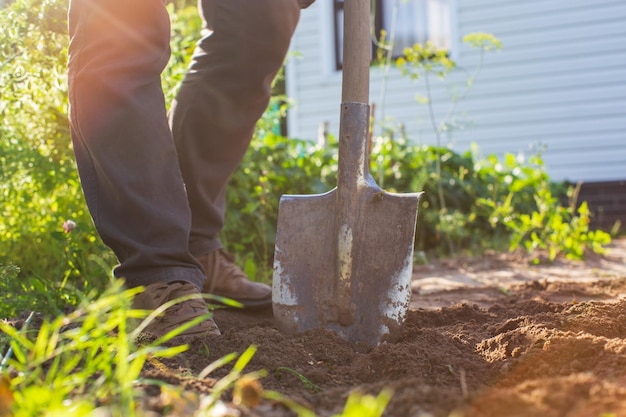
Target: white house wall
<point>558,83</point>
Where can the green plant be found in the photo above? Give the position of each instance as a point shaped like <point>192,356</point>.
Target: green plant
<point>359,405</point>
<point>550,226</point>
<point>85,357</point>
<point>472,186</point>
<point>79,270</point>
<point>8,272</point>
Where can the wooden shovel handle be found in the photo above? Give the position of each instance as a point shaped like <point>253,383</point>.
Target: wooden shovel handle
<point>357,51</point>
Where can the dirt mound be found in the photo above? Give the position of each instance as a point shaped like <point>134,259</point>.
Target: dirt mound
<point>517,346</point>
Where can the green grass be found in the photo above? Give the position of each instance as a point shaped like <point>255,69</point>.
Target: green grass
<point>90,361</point>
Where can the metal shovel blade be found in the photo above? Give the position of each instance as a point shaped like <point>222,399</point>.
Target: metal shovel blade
<point>343,260</point>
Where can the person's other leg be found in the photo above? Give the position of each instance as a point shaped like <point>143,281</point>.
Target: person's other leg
<point>225,92</point>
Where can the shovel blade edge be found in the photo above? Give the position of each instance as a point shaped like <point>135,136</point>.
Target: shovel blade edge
<point>364,302</point>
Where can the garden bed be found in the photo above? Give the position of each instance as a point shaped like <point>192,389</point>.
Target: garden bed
<point>495,336</point>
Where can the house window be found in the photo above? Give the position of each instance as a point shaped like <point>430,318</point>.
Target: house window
<point>406,22</point>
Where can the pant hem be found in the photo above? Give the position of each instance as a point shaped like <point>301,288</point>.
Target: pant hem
<point>190,275</point>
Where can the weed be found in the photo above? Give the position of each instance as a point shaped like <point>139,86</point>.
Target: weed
<point>547,225</point>
<point>305,381</point>
<point>359,405</point>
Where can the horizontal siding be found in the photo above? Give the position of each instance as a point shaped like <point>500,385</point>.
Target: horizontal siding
<point>480,11</point>
<point>560,142</point>
<point>560,81</point>
<point>542,15</point>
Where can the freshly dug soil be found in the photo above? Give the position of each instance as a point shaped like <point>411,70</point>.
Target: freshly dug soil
<point>493,336</point>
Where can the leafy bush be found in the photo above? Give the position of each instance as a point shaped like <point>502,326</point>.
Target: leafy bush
<point>548,225</point>
<point>487,202</point>
<point>39,187</point>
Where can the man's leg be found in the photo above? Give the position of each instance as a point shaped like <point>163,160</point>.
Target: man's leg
<point>124,149</point>
<point>225,92</point>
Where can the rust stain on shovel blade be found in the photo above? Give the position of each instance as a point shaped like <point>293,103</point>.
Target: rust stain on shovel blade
<point>343,259</point>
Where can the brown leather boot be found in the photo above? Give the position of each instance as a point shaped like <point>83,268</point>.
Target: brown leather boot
<point>155,295</point>
<point>226,279</point>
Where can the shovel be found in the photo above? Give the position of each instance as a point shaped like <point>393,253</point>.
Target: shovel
<point>343,260</point>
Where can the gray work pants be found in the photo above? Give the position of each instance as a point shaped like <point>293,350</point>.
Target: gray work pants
<point>155,187</point>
